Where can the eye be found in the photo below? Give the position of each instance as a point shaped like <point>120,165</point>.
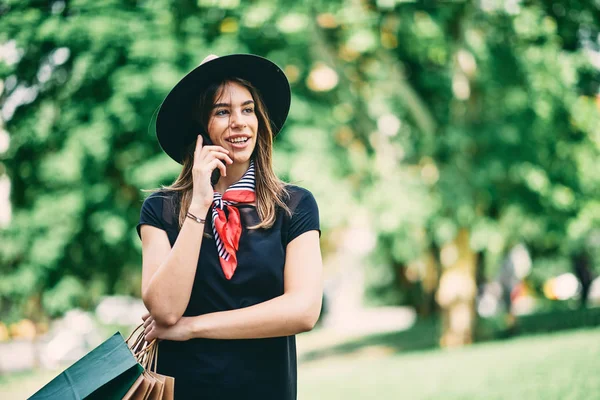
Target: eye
<point>249,110</point>
<point>221,112</point>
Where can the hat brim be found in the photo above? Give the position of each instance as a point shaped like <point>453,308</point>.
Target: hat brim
<point>176,126</point>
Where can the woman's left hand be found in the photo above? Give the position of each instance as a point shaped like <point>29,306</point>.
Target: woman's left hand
<point>181,331</point>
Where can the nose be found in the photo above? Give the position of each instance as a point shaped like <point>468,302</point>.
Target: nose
<point>237,120</point>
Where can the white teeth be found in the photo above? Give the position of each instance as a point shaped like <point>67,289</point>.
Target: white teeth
<point>238,140</point>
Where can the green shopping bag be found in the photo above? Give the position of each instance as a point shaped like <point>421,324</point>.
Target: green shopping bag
<point>106,373</point>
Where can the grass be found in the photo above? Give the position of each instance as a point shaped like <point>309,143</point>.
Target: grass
<point>551,366</point>
<point>20,385</point>
<point>424,334</point>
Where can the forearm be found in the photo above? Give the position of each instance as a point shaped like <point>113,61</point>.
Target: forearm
<point>168,292</point>
<point>285,315</point>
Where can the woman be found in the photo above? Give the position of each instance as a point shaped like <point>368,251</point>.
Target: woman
<point>232,264</point>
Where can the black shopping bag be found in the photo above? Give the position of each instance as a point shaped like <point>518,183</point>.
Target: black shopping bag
<point>106,373</point>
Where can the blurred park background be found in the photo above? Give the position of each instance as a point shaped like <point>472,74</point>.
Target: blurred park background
<point>453,148</point>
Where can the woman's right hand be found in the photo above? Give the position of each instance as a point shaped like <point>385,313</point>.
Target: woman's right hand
<point>206,159</point>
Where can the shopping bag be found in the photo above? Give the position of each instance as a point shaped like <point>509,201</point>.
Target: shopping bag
<point>150,385</point>
<point>158,388</point>
<point>165,387</point>
<point>144,385</point>
<point>107,373</point>
<point>141,391</point>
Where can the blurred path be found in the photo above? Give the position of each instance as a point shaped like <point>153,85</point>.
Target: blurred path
<point>354,324</point>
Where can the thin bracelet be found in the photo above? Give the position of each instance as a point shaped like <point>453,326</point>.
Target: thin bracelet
<point>198,220</point>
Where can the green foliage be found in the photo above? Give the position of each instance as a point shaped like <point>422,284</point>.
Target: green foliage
<point>420,120</point>
<point>516,111</point>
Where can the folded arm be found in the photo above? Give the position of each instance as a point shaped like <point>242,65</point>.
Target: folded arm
<point>295,311</point>
<point>168,273</point>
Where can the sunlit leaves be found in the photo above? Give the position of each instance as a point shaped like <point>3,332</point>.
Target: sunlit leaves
<point>419,120</point>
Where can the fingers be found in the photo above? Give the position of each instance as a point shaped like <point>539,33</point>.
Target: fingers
<point>211,148</point>
<point>149,325</point>
<point>148,321</point>
<point>150,331</point>
<point>200,147</point>
<point>220,156</point>
<point>149,337</point>
<point>218,164</point>
<point>210,152</point>
<point>198,150</point>
<point>206,154</point>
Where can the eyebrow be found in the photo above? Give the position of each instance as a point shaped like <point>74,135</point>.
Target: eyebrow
<point>217,105</point>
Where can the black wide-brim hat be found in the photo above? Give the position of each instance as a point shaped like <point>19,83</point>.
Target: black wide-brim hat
<point>177,127</point>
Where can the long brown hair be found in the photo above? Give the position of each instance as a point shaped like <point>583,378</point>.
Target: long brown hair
<point>270,190</point>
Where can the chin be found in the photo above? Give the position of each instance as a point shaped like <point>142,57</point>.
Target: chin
<point>241,158</point>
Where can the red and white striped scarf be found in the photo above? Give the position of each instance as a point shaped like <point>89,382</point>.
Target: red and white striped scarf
<point>227,226</point>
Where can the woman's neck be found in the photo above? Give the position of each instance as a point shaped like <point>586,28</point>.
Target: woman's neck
<point>235,172</point>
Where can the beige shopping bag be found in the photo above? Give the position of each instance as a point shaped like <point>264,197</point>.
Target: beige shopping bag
<point>150,385</point>
<point>158,389</point>
<point>145,384</point>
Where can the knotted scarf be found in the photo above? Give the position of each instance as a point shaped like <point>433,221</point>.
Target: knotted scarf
<point>227,226</point>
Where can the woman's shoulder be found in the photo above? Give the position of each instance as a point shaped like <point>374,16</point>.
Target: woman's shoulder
<point>304,212</point>
<point>296,190</point>
<point>298,196</point>
<point>296,193</point>
<point>163,203</point>
<point>160,195</point>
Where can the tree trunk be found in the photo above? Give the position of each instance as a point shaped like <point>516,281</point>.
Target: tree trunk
<point>457,291</point>
<point>412,291</point>
<point>583,272</point>
<point>430,282</point>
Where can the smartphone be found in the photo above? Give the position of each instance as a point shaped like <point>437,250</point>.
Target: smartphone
<point>216,174</point>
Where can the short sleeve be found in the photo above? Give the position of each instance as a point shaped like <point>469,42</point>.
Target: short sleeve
<point>305,216</point>
<point>151,213</point>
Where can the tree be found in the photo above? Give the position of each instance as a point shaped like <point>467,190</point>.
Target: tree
<point>451,132</point>
<point>80,91</point>
<point>495,121</point>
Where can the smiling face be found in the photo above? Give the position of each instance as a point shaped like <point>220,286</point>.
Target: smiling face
<point>233,123</point>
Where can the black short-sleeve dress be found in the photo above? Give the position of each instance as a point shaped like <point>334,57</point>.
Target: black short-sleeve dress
<point>234,369</point>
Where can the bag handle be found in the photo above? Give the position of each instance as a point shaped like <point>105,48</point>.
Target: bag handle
<point>145,353</point>
<point>155,365</point>
<point>148,357</point>
<point>138,343</point>
<point>133,331</point>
